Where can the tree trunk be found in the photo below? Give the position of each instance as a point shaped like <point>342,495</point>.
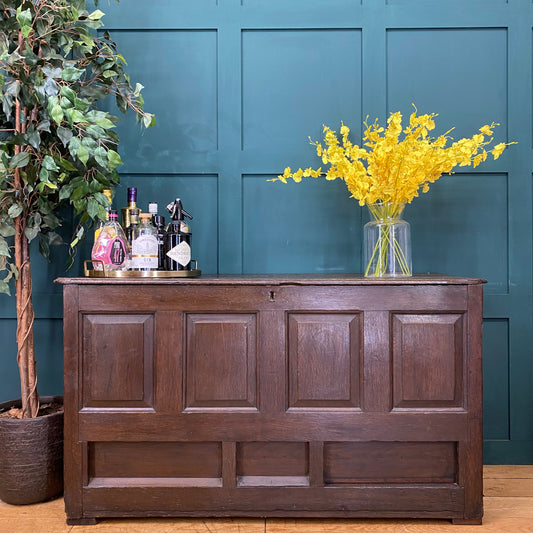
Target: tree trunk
<point>25,316</point>
<point>23,288</point>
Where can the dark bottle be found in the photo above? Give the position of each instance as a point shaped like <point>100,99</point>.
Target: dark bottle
<point>132,204</point>
<point>134,223</point>
<point>159,223</point>
<point>178,238</point>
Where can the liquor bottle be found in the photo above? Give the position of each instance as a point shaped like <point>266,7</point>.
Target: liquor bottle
<point>159,223</point>
<point>111,247</point>
<point>108,193</point>
<point>144,245</point>
<point>178,238</point>
<point>152,209</point>
<point>134,222</point>
<point>132,204</point>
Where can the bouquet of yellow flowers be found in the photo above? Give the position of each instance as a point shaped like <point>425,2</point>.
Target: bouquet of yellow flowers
<point>391,169</point>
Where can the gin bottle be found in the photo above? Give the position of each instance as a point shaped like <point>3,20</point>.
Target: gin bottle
<point>144,247</point>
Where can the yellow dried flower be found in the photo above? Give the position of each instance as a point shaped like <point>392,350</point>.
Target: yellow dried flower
<point>392,169</point>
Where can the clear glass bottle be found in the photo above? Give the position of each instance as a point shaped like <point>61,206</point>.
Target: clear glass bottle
<point>387,242</point>
<point>144,246</point>
<point>111,248</point>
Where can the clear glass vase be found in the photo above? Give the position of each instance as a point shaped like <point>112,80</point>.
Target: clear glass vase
<point>387,242</point>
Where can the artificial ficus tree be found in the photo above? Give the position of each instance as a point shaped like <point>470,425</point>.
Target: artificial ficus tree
<point>57,142</point>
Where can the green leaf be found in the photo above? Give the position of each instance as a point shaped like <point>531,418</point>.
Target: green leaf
<point>49,164</point>
<point>44,126</point>
<point>83,154</point>
<point>7,230</point>
<point>57,114</point>
<point>4,248</point>
<point>72,74</point>
<point>55,239</point>
<point>149,120</point>
<point>93,208</point>
<point>100,154</point>
<point>67,92</point>
<point>109,74</point>
<point>73,146</point>
<point>4,288</point>
<point>114,159</point>
<point>67,165</point>
<point>105,123</point>
<point>89,143</point>
<point>44,247</point>
<point>95,131</point>
<point>64,134</point>
<point>14,211</point>
<point>77,116</point>
<point>23,17</point>
<point>81,105</point>
<point>34,139</point>
<point>19,160</point>
<point>52,72</point>
<point>87,40</point>
<point>65,192</point>
<point>44,175</point>
<point>31,233</point>
<point>96,15</point>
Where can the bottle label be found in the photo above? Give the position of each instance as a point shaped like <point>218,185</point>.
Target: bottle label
<point>109,248</point>
<point>181,254</point>
<point>144,252</point>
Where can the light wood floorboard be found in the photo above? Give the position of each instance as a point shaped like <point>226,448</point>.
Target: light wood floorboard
<point>508,507</point>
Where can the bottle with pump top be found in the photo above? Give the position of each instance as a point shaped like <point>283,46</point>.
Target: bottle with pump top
<point>144,246</point>
<point>178,238</point>
<point>111,247</point>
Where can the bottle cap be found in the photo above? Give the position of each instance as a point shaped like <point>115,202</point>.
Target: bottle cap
<point>145,216</point>
<point>152,208</point>
<point>132,194</point>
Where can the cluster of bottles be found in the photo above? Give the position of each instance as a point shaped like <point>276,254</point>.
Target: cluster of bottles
<point>142,242</point>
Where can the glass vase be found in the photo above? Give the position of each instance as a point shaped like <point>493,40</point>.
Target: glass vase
<point>387,242</point>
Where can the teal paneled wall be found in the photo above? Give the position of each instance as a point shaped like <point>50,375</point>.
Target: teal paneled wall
<point>239,85</point>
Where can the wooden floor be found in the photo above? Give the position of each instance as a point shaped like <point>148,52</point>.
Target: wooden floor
<point>508,508</point>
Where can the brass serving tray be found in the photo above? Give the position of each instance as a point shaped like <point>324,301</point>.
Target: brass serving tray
<point>91,273</point>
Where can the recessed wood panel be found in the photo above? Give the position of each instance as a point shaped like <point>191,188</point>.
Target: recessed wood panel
<point>428,360</point>
<point>186,75</point>
<point>264,459</point>
<point>117,359</point>
<point>323,360</point>
<point>221,361</point>
<point>280,119</point>
<point>389,462</point>
<point>155,459</point>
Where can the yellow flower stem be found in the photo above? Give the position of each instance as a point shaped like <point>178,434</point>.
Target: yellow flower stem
<point>388,212</point>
